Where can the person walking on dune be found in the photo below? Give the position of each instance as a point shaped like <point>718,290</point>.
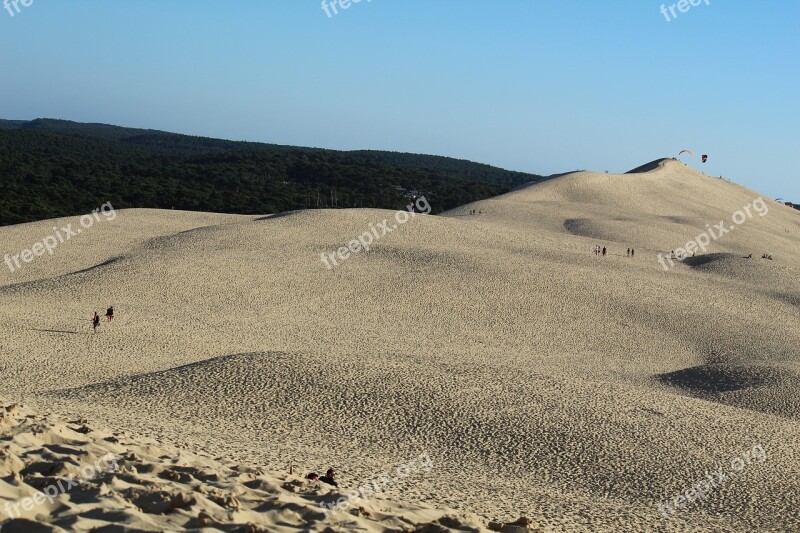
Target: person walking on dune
<point>110,314</point>
<point>632,252</point>
<point>604,251</point>
<point>95,322</point>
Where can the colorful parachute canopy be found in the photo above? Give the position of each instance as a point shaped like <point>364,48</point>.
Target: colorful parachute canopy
<point>704,157</point>
<point>686,152</point>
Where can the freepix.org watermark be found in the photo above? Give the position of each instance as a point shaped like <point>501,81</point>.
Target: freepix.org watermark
<point>331,7</point>
<point>376,231</point>
<point>106,463</point>
<point>12,6</point>
<point>60,236</point>
<point>712,481</point>
<point>713,233</point>
<point>379,483</point>
<point>683,6</point>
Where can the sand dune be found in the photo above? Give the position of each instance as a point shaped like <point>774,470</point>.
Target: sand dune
<point>88,479</point>
<point>543,381</point>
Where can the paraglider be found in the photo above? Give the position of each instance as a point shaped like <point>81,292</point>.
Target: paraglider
<point>703,157</point>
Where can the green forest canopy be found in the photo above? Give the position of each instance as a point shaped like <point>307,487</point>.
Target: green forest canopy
<point>53,168</point>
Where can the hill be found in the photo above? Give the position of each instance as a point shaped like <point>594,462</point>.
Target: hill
<point>54,168</point>
<point>580,391</point>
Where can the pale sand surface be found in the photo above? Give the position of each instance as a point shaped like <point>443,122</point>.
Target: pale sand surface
<point>542,380</point>
<point>88,479</point>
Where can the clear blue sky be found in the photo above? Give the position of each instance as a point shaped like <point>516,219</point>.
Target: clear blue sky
<point>532,85</point>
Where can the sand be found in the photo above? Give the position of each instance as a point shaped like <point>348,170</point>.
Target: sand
<point>60,475</point>
<point>541,380</point>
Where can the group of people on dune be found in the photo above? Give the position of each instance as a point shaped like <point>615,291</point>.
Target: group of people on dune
<point>96,318</point>
<point>329,477</point>
<point>602,250</point>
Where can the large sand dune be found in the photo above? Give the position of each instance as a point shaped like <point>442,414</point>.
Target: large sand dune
<point>542,380</point>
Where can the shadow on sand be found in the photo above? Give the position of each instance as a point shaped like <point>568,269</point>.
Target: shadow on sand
<point>718,378</point>
<point>274,216</point>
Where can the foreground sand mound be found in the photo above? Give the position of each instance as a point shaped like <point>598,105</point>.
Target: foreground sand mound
<point>58,476</point>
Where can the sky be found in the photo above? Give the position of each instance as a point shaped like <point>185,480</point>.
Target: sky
<point>531,85</point>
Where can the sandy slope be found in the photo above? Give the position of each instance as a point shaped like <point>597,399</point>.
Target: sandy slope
<point>542,380</point>
<point>58,475</point>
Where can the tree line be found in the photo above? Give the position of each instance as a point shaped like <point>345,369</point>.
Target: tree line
<point>54,168</point>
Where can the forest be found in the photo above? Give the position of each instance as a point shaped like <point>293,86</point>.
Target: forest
<point>53,168</point>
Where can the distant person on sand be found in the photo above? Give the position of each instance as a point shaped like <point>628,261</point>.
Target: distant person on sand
<point>632,252</point>
<point>313,476</point>
<point>95,321</point>
<point>604,251</point>
<point>110,313</point>
<point>628,253</point>
<point>330,478</point>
